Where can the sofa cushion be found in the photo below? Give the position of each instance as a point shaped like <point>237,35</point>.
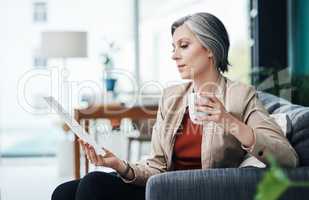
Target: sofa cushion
<point>284,122</point>
<point>299,116</point>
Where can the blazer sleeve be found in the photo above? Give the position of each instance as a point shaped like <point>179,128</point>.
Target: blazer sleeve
<point>156,163</point>
<point>269,139</point>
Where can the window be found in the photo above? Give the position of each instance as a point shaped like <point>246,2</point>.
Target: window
<point>155,38</point>
<point>39,62</point>
<point>40,12</point>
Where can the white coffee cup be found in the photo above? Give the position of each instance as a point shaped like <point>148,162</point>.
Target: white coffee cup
<point>193,98</point>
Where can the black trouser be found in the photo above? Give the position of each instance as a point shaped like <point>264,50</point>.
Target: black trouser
<point>98,186</point>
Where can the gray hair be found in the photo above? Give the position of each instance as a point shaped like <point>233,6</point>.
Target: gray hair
<point>211,32</point>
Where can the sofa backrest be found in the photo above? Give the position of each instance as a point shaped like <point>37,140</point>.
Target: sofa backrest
<point>299,120</point>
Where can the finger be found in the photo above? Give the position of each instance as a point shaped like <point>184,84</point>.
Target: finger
<point>203,109</point>
<point>106,152</point>
<point>214,99</point>
<point>208,118</point>
<point>215,102</point>
<point>82,144</point>
<point>214,112</point>
<point>93,155</point>
<point>206,94</point>
<point>209,104</point>
<point>87,147</point>
<point>208,110</point>
<point>86,150</point>
<point>100,160</point>
<point>105,149</point>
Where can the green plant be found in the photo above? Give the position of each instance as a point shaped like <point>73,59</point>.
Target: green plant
<point>275,182</point>
<point>110,49</point>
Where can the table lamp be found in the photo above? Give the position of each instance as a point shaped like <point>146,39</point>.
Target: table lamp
<point>64,45</point>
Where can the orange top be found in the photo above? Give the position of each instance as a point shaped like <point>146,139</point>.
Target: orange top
<point>187,147</point>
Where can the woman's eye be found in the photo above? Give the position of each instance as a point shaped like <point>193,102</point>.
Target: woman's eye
<point>183,46</point>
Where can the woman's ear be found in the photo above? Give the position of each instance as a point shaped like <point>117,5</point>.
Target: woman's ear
<point>210,54</point>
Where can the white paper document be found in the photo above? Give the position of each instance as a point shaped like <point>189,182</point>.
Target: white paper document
<point>76,128</point>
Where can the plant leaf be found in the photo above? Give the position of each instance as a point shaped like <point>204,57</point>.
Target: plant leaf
<point>273,184</point>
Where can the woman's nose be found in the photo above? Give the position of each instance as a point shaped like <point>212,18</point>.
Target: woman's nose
<point>175,55</point>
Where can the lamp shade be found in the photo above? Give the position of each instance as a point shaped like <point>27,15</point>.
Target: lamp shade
<point>64,44</point>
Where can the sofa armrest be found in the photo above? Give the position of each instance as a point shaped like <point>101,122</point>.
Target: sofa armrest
<point>217,184</point>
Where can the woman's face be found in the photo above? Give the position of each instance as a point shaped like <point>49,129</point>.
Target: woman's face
<point>191,57</point>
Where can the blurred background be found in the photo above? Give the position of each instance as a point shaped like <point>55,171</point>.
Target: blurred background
<point>104,51</point>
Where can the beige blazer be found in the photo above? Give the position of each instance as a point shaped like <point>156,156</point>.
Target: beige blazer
<point>219,149</point>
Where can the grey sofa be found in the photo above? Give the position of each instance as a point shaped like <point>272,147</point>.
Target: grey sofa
<point>238,183</point>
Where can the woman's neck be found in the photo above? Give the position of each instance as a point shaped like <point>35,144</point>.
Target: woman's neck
<point>207,82</point>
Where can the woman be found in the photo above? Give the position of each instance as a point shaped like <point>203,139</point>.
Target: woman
<point>236,132</point>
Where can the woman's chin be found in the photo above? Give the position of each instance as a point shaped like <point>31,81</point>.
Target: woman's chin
<point>185,76</point>
<point>186,73</point>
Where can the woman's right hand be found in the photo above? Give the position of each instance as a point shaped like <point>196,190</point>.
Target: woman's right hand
<point>106,160</point>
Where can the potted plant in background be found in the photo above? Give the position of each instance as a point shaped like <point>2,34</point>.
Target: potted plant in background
<point>301,85</point>
<point>275,81</point>
<point>109,81</point>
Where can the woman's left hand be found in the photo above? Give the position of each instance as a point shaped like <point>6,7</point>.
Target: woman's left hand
<point>215,110</point>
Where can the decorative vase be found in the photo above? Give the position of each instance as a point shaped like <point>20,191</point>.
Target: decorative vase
<point>110,84</point>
